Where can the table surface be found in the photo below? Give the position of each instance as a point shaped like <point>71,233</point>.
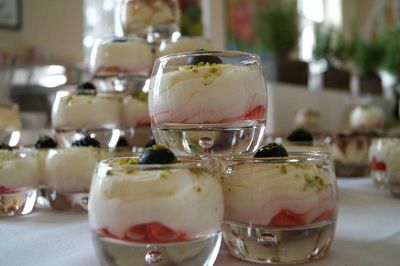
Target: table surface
<point>367,234</point>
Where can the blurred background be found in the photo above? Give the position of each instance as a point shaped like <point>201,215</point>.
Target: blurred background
<point>329,55</point>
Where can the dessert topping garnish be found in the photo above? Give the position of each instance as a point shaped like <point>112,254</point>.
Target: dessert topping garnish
<point>157,154</point>
<point>300,135</point>
<point>86,142</point>
<point>86,88</point>
<point>141,96</point>
<point>196,59</point>
<point>45,142</point>
<point>271,150</point>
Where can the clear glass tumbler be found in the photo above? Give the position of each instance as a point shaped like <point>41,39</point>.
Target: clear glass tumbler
<point>208,103</point>
<point>19,180</point>
<point>279,210</point>
<point>156,214</point>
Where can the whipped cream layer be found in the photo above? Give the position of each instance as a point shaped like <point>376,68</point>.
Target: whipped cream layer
<point>256,193</point>
<point>71,169</point>
<point>183,200</point>
<point>183,44</point>
<point>214,93</point>
<point>86,111</point>
<point>18,170</point>
<point>122,57</point>
<point>135,112</point>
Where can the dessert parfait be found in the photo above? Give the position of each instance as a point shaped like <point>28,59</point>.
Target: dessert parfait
<point>152,20</point>
<point>377,158</point>
<point>350,154</point>
<point>156,209</point>
<point>19,180</point>
<point>84,111</point>
<point>10,118</point>
<point>68,173</point>
<point>280,207</point>
<point>208,102</point>
<point>119,65</point>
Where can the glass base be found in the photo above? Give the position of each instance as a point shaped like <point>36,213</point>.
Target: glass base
<point>200,252</point>
<point>276,245</point>
<point>67,201</point>
<point>379,178</point>
<point>66,136</point>
<point>210,139</point>
<point>351,169</point>
<point>18,203</point>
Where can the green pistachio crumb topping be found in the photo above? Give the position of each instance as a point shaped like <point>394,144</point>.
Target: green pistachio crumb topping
<point>316,182</point>
<point>198,171</point>
<point>141,96</point>
<point>165,173</point>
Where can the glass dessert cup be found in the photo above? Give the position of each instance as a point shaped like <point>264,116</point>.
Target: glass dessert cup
<point>279,210</point>
<point>19,180</point>
<point>208,103</point>
<point>350,154</point>
<point>151,20</point>
<point>68,174</point>
<point>377,157</point>
<point>118,65</point>
<point>155,214</point>
<point>75,115</point>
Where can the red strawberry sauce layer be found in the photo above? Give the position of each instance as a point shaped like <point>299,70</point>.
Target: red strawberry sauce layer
<point>147,233</point>
<point>377,165</point>
<point>286,218</point>
<point>5,190</point>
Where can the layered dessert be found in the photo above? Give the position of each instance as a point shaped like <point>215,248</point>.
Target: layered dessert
<point>139,203</point>
<point>279,201</point>
<point>350,154</point>
<point>377,156</point>
<point>121,56</point>
<point>135,110</point>
<point>68,171</point>
<point>83,110</point>
<point>19,179</point>
<point>143,17</point>
<point>208,103</point>
<point>208,93</point>
<point>10,117</point>
<point>183,44</point>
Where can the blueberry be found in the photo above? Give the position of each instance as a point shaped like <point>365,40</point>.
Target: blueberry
<point>45,142</point>
<point>86,88</point>
<point>4,146</point>
<point>300,135</point>
<point>86,142</point>
<point>122,142</point>
<point>196,59</point>
<point>271,150</point>
<point>157,154</point>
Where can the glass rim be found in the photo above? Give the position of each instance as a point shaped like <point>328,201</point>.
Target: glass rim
<point>208,52</point>
<point>294,157</point>
<point>183,163</point>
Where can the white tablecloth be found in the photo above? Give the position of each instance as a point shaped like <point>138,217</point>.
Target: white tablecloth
<point>367,234</point>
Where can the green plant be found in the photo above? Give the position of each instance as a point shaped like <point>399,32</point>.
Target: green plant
<point>367,56</point>
<point>322,47</point>
<point>341,49</point>
<point>390,40</point>
<point>276,27</point>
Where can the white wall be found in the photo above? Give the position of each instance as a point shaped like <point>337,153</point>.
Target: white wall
<point>56,26</point>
